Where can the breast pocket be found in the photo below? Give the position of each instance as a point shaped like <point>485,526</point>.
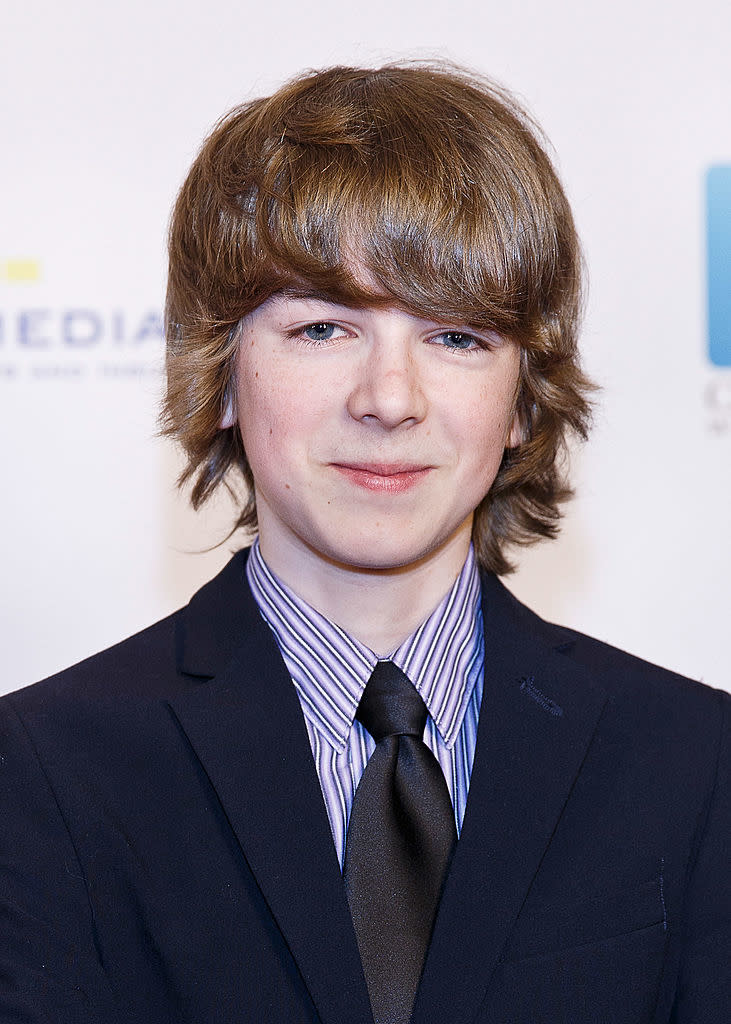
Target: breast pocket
<point>596,918</point>
<point>592,961</point>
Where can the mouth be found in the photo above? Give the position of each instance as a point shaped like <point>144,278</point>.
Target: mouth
<point>385,478</point>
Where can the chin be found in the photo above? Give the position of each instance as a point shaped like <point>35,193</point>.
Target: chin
<point>383,554</point>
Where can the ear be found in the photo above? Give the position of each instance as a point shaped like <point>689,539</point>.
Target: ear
<point>516,435</point>
<point>228,419</point>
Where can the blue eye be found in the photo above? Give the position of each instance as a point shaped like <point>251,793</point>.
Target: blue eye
<point>319,332</point>
<point>458,340</point>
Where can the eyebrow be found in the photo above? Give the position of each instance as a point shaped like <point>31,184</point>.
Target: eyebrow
<point>309,293</point>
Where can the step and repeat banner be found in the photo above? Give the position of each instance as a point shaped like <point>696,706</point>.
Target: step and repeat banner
<point>102,113</point>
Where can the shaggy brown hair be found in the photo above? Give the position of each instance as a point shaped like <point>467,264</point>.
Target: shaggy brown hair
<point>436,179</point>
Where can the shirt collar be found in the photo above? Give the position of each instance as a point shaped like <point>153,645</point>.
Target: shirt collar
<point>330,668</point>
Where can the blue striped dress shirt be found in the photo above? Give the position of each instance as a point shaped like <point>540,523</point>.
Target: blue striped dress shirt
<point>443,658</point>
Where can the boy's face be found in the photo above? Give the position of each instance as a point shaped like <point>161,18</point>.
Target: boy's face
<point>372,434</point>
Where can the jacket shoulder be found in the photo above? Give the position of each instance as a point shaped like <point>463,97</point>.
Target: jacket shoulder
<point>152,663</point>
<point>627,674</point>
<point>144,663</point>
<point>626,677</point>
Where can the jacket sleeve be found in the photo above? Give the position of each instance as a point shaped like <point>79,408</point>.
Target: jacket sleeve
<point>704,984</point>
<point>50,972</point>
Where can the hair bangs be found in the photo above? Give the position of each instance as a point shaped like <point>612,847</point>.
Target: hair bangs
<point>366,224</point>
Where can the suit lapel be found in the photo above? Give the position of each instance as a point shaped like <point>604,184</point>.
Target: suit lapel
<point>246,727</point>
<point>539,712</point>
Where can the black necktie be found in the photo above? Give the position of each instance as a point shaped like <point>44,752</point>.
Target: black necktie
<point>400,838</point>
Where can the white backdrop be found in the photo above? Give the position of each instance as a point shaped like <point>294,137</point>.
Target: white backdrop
<point>102,113</point>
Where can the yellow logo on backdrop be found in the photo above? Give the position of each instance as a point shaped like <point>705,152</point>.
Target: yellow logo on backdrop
<point>20,270</point>
<point>44,341</point>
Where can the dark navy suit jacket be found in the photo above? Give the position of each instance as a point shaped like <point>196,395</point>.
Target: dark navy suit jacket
<point>165,854</point>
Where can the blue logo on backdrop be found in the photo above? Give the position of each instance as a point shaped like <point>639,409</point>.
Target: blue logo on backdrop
<point>718,213</point>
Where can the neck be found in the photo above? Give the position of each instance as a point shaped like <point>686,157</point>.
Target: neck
<point>379,607</point>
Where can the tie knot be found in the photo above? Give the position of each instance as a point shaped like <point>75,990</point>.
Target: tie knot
<point>390,705</point>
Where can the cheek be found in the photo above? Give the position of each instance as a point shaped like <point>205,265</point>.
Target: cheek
<point>484,425</point>
<point>483,432</point>
<point>275,416</point>
<point>498,403</point>
<point>257,413</point>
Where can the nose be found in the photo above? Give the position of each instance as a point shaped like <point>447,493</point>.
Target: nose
<point>388,388</point>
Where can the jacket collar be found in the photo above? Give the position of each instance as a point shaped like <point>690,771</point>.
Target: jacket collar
<point>217,621</point>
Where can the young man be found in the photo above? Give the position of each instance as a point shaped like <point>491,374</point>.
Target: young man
<point>354,779</point>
